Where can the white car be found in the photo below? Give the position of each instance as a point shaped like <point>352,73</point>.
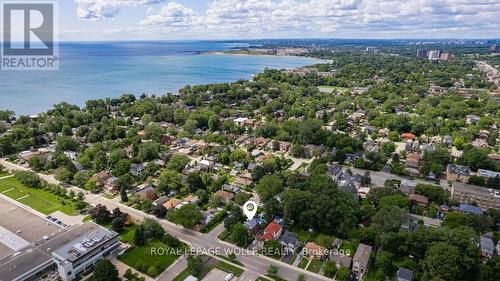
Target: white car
<point>229,277</point>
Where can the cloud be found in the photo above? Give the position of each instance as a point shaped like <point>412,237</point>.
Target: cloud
<point>312,18</point>
<point>172,15</point>
<point>99,9</point>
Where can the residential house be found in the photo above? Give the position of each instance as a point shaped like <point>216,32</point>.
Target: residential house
<point>290,241</point>
<point>171,204</point>
<point>404,274</point>
<point>315,251</point>
<point>472,119</point>
<point>244,180</point>
<point>160,201</point>
<point>192,199</point>
<point>271,232</point>
<point>407,186</point>
<point>340,259</point>
<point>470,209</point>
<point>361,261</point>
<point>101,178</point>
<point>480,143</point>
<point>408,136</point>
<point>231,188</point>
<point>71,155</point>
<point>137,169</point>
<point>412,165</point>
<point>254,225</point>
<point>111,185</point>
<point>147,192</point>
<point>226,196</point>
<point>167,140</point>
<point>417,199</point>
<point>261,142</point>
<point>487,246</point>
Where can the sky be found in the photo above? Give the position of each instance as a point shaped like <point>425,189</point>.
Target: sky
<point>82,20</point>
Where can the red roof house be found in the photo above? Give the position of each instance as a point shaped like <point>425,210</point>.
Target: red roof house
<point>271,232</point>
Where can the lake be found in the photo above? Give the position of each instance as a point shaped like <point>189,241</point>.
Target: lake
<point>92,70</point>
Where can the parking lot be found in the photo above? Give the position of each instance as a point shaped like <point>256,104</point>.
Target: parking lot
<point>20,225</point>
<point>216,275</point>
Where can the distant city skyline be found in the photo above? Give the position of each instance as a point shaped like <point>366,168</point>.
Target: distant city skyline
<point>82,20</point>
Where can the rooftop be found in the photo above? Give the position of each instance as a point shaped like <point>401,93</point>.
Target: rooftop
<point>85,243</point>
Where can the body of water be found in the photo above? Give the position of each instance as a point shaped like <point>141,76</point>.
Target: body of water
<point>110,69</point>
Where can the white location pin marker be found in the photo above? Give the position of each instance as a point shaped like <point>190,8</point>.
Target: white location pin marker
<point>250,209</point>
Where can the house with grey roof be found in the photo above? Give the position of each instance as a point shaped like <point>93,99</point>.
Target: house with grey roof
<point>137,169</point>
<point>361,261</point>
<point>487,246</point>
<point>404,274</point>
<point>290,241</point>
<point>457,173</point>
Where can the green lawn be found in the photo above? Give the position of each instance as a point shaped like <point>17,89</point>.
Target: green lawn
<point>142,255</point>
<point>182,276</point>
<point>324,240</point>
<point>229,268</point>
<point>315,266</point>
<point>38,199</point>
<point>346,245</point>
<point>339,89</point>
<point>303,263</point>
<point>3,174</point>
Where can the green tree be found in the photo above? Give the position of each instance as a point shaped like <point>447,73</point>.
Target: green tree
<point>441,261</point>
<point>177,162</point>
<point>122,167</point>
<point>104,270</point>
<point>187,216</point>
<point>140,236</point>
<point>329,269</point>
<point>343,274</point>
<point>169,180</point>
<point>390,218</point>
<point>240,235</point>
<point>148,151</point>
<point>269,186</point>
<point>195,265</point>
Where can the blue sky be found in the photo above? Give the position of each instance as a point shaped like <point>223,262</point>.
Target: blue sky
<point>248,19</point>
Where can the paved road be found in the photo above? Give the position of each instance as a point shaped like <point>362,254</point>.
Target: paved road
<point>378,178</point>
<point>256,265</point>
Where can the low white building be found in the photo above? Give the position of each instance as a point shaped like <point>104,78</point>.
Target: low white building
<point>82,253</point>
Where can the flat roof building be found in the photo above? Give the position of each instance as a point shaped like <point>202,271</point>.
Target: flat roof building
<point>84,252</point>
<point>484,197</point>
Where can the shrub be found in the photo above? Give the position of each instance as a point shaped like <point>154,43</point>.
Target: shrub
<point>29,179</point>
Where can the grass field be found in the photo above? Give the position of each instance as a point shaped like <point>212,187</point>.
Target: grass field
<point>38,199</point>
<point>315,266</point>
<point>182,276</point>
<point>303,263</point>
<point>338,89</point>
<point>229,268</point>
<point>142,255</point>
<point>348,246</point>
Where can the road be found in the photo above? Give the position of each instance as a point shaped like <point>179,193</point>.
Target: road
<point>208,244</point>
<point>378,178</point>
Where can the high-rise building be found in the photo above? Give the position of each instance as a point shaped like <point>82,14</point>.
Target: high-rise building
<point>444,56</point>
<point>421,53</point>
<point>434,54</point>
